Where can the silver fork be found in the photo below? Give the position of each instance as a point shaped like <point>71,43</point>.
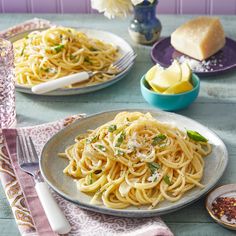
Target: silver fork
<point>117,67</point>
<point>28,162</point>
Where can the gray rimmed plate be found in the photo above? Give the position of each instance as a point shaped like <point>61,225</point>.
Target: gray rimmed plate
<point>52,166</point>
<point>105,36</point>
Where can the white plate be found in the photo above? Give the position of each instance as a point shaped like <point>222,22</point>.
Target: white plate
<point>105,36</point>
<point>52,166</point>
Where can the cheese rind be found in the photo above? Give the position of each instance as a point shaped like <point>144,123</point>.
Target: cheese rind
<point>199,38</point>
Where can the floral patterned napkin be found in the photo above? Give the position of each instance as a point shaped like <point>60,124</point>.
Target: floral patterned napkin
<point>29,214</point>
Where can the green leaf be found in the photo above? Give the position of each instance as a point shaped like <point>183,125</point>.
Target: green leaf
<point>72,57</point>
<point>194,135</point>
<point>112,128</point>
<point>167,179</point>
<point>86,59</point>
<point>153,166</point>
<point>46,70</point>
<point>120,139</point>
<point>157,139</point>
<point>59,47</point>
<point>101,147</point>
<point>93,49</point>
<point>22,51</point>
<point>92,140</point>
<point>119,153</point>
<point>91,178</point>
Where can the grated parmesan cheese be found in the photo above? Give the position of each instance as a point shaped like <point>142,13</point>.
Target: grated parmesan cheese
<point>201,66</point>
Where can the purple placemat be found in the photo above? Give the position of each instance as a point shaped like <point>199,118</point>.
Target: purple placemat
<point>223,61</point>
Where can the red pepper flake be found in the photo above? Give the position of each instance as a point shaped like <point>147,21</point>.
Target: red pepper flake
<point>225,206</point>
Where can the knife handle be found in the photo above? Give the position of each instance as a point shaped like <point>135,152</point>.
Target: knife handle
<point>56,218</point>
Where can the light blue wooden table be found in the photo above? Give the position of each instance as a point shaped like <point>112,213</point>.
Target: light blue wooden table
<point>215,108</point>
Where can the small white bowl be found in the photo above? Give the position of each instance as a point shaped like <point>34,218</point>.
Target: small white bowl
<point>225,190</point>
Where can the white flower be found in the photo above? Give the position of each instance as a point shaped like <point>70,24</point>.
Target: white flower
<point>112,8</point>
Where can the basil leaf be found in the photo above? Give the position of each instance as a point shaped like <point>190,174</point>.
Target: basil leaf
<point>167,179</point>
<point>153,166</point>
<point>194,135</point>
<point>101,147</point>
<point>112,128</point>
<point>58,48</point>
<point>157,139</point>
<point>120,139</point>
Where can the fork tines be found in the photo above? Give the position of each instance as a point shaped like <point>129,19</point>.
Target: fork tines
<point>125,60</point>
<point>26,149</point>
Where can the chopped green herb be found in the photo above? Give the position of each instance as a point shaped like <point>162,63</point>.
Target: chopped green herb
<point>72,57</point>
<point>157,139</point>
<point>22,51</point>
<point>26,37</point>
<point>58,48</point>
<point>93,49</point>
<point>46,70</point>
<point>119,153</point>
<point>91,140</point>
<point>91,178</point>
<point>127,119</point>
<point>112,128</point>
<point>167,179</point>
<point>86,59</point>
<point>101,147</point>
<point>194,135</point>
<point>69,30</point>
<point>97,172</point>
<point>153,166</point>
<point>120,139</point>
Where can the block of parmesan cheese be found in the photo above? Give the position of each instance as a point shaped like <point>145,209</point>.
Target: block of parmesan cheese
<point>199,38</point>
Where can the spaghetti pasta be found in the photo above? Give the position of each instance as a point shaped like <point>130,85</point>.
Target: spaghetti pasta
<point>136,160</point>
<point>58,51</point>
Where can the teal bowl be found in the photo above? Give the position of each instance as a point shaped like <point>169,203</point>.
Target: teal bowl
<point>170,102</point>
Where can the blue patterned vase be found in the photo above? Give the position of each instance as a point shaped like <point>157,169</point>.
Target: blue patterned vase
<point>145,28</point>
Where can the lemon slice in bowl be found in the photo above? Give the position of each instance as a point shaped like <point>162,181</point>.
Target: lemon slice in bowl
<point>186,72</point>
<point>167,78</point>
<point>153,73</point>
<point>181,87</point>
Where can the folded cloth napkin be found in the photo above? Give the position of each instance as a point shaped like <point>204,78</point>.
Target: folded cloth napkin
<point>30,216</point>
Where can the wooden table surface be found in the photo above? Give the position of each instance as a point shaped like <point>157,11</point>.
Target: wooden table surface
<point>214,108</point>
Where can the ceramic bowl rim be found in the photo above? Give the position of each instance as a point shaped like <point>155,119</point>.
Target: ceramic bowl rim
<point>195,88</point>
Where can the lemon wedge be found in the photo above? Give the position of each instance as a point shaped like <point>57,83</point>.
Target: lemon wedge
<point>181,87</point>
<point>153,73</point>
<point>186,72</point>
<point>167,78</point>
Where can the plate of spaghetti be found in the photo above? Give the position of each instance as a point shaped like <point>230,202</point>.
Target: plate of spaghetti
<point>134,163</point>
<point>48,54</point>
